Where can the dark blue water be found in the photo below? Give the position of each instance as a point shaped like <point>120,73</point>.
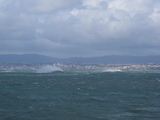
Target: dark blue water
<point>80,96</point>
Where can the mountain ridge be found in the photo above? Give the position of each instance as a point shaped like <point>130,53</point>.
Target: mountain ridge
<point>108,59</point>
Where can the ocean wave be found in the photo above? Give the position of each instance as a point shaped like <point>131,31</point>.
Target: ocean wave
<point>112,70</point>
<point>49,69</point>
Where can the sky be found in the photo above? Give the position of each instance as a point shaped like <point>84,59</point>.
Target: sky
<point>80,28</point>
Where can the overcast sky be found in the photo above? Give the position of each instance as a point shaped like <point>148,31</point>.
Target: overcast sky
<point>75,28</point>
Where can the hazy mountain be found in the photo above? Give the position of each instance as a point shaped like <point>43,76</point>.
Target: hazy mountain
<point>117,59</point>
<point>35,58</point>
<point>26,58</point>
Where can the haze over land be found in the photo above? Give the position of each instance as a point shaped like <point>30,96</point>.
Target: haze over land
<point>36,59</point>
<point>80,28</point>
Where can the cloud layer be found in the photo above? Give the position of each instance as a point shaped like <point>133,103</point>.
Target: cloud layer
<point>65,28</point>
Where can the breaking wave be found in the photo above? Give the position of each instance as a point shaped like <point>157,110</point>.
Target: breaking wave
<point>48,69</point>
<point>111,70</point>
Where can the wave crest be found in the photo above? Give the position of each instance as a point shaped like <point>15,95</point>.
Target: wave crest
<point>49,69</point>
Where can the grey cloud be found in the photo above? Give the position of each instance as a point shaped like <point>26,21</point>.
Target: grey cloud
<point>43,6</point>
<point>80,28</point>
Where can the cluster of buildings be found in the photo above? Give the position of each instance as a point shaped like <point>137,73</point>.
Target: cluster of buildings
<point>143,67</point>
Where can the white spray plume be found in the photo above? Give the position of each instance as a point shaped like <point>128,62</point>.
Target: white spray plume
<point>48,69</point>
<point>111,70</point>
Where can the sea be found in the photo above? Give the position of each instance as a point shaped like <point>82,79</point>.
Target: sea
<point>80,95</point>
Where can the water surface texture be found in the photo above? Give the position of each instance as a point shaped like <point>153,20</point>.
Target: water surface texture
<point>80,96</point>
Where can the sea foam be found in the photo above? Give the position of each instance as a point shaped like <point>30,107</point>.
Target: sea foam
<point>111,70</point>
<point>48,69</point>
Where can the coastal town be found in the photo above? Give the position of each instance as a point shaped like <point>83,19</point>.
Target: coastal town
<point>67,67</point>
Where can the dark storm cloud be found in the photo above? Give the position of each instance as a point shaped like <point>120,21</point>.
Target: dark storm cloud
<point>64,28</point>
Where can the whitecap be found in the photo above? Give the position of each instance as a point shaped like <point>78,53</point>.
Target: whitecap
<point>111,70</point>
<point>49,69</point>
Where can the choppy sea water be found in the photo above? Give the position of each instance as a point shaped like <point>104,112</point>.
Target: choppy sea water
<point>80,96</point>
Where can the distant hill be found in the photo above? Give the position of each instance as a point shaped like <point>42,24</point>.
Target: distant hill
<point>26,58</point>
<point>113,59</point>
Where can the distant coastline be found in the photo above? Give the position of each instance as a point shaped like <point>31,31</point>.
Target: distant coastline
<point>66,67</point>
